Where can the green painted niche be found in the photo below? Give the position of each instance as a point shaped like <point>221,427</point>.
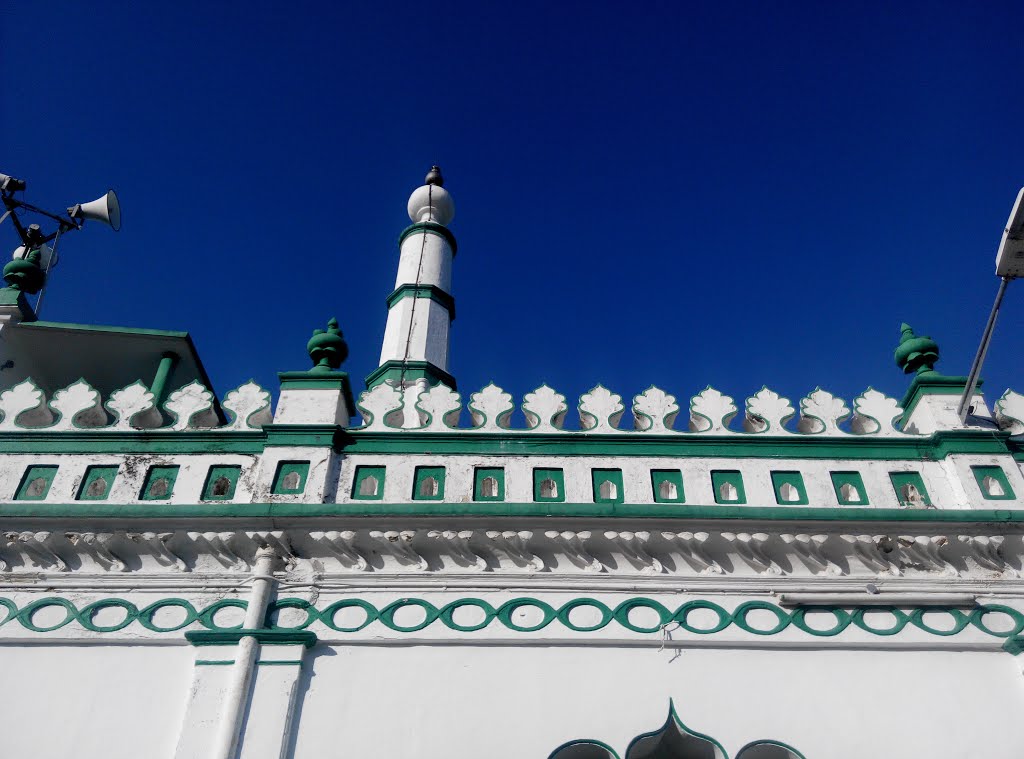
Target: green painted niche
<point>489,484</point>
<point>993,483</point>
<point>607,485</point>
<point>728,487</point>
<point>667,485</point>
<point>35,483</point>
<point>159,483</point>
<point>789,488</point>
<point>368,484</point>
<point>910,490</point>
<point>548,485</point>
<point>849,487</point>
<point>428,484</point>
<point>290,477</point>
<point>221,483</point>
<point>97,483</point>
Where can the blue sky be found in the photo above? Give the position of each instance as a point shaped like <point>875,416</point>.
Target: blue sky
<point>733,194</point>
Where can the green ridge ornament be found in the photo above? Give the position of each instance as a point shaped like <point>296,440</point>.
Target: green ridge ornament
<point>25,274</point>
<point>327,348</point>
<point>916,353</point>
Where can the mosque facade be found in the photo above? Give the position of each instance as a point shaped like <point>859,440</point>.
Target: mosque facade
<point>425,571</point>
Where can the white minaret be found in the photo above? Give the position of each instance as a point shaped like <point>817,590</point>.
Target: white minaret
<point>421,308</point>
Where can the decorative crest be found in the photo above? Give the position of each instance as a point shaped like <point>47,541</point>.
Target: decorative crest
<point>491,409</point>
<point>600,410</point>
<point>249,406</point>
<point>78,406</point>
<point>24,406</point>
<point>876,414</point>
<point>767,411</point>
<point>544,409</point>
<point>711,411</point>
<point>654,410</point>
<point>327,348</point>
<point>191,407</point>
<point>821,412</point>
<point>442,406</point>
<point>915,353</point>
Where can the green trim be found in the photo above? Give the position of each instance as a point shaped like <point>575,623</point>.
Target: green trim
<point>689,445</point>
<point>505,616</point>
<point>672,476</point>
<point>728,477</point>
<point>434,293</point>
<point>285,468</point>
<point>789,478</point>
<point>673,717</point>
<point>297,662</point>
<point>612,753</point>
<point>83,441</point>
<point>10,296</point>
<point>853,479</point>
<point>319,381</point>
<point>557,476</point>
<point>599,477</point>
<point>431,228</point>
<point>410,371</point>
<point>482,473</point>
<point>996,473</point>
<point>102,328</point>
<point>267,637</point>
<point>307,435</point>
<point>548,509</point>
<point>770,742</point>
<point>106,474</point>
<point>43,473</point>
<point>214,662</point>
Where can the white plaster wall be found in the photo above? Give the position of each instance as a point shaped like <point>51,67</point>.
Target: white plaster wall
<point>107,702</point>
<point>430,326</point>
<point>941,479</point>
<point>437,262</point>
<point>519,703</point>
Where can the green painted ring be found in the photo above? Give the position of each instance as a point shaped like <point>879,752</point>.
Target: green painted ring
<point>447,614</point>
<point>901,620</point>
<point>841,616</point>
<point>621,614</point>
<point>977,618</point>
<point>85,615</point>
<point>12,610</point>
<point>960,619</point>
<point>206,615</point>
<point>25,615</point>
<point>506,610</point>
<point>576,603</point>
<point>724,618</point>
<point>293,603</point>
<point>739,617</point>
<point>145,616</point>
<point>387,614</point>
<point>327,615</point>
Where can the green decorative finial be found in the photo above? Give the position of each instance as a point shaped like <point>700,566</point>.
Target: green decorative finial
<point>915,353</point>
<point>327,348</point>
<point>25,274</point>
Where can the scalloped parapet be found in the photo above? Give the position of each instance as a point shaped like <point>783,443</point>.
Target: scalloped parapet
<point>24,406</point>
<point>491,409</point>
<point>545,409</point>
<point>600,410</point>
<point>191,407</point>
<point>875,414</point>
<point>78,406</point>
<point>711,411</point>
<point>442,407</point>
<point>821,413</point>
<point>767,413</point>
<point>133,408</point>
<point>654,411</point>
<point>1009,412</point>
<point>378,404</point>
<point>249,406</point>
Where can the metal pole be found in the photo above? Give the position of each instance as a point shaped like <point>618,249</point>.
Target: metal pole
<point>979,359</point>
<point>46,274</point>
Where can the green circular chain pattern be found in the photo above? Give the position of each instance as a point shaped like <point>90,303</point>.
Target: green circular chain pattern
<point>841,619</point>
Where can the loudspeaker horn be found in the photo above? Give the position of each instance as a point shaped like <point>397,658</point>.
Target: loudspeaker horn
<point>105,208</point>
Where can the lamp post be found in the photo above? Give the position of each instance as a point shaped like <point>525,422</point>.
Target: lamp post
<point>1009,266</point>
<point>31,264</point>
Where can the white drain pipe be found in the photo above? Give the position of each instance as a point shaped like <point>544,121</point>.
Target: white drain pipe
<point>236,697</point>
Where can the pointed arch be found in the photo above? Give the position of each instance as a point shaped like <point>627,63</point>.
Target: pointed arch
<point>768,749</point>
<point>584,749</point>
<point>674,740</point>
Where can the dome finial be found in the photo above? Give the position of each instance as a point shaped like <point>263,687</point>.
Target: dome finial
<point>434,177</point>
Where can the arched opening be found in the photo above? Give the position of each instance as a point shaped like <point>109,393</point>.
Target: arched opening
<point>607,491</point>
<point>910,495</point>
<point>368,485</point>
<point>291,481</point>
<point>428,487</point>
<point>849,493</point>
<point>548,488</point>
<point>221,486</point>
<point>160,487</point>
<point>992,487</point>
<point>668,490</point>
<point>788,492</point>
<point>96,488</point>
<point>489,487</point>
<point>728,492</point>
